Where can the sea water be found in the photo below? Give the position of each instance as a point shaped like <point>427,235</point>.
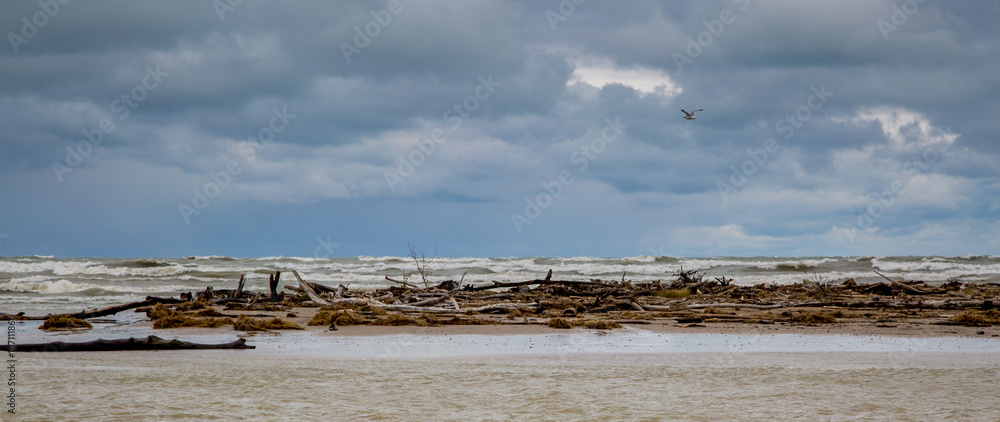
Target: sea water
<point>36,284</point>
<point>688,385</point>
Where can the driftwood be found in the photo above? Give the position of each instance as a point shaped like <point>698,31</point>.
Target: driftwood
<point>405,284</point>
<point>208,294</point>
<point>148,343</point>
<point>497,296</point>
<point>432,301</point>
<point>681,307</point>
<point>184,297</point>
<point>623,296</point>
<point>499,285</point>
<point>315,297</point>
<point>943,304</point>
<point>735,305</point>
<point>908,289</point>
<point>273,284</point>
<point>243,282</point>
<point>539,299</point>
<point>225,300</point>
<point>111,310</point>
<point>689,295</point>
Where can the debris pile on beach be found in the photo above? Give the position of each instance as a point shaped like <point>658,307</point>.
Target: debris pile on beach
<point>689,299</point>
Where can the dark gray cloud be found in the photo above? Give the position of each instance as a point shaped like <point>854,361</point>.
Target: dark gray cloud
<point>899,159</point>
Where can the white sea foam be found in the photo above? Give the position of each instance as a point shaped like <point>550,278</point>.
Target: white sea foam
<point>931,265</point>
<point>139,272</point>
<point>65,286</point>
<point>43,266</point>
<point>291,258</point>
<point>209,257</point>
<point>381,258</point>
<point>35,257</point>
<point>796,264</point>
<point>57,286</point>
<point>69,268</point>
<point>31,279</point>
<point>709,263</point>
<point>39,304</point>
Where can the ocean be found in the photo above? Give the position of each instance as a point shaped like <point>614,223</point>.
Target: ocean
<point>40,284</point>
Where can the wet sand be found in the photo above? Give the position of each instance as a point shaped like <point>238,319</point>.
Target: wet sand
<point>898,329</point>
<point>137,324</point>
<point>657,336</point>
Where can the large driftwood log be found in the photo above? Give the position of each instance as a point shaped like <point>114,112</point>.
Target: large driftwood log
<point>239,287</point>
<point>111,310</point>
<point>405,284</point>
<point>664,308</point>
<point>682,306</point>
<point>735,305</point>
<point>315,297</point>
<point>148,343</point>
<point>499,285</point>
<point>908,289</point>
<point>432,301</point>
<point>948,304</point>
<point>497,296</point>
<point>273,281</point>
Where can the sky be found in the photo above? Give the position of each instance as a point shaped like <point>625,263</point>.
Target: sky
<point>499,128</point>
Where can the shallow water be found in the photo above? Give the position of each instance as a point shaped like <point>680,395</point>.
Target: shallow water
<point>629,374</point>
<point>237,385</point>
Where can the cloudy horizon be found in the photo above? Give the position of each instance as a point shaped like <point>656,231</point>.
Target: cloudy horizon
<point>504,128</point>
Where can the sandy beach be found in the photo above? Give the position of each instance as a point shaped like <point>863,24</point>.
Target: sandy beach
<point>861,327</point>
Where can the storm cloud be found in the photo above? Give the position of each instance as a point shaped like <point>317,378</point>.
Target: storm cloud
<point>506,128</point>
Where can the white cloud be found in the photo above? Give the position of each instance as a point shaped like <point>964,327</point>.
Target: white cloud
<point>936,191</point>
<point>656,185</point>
<point>902,127</point>
<point>913,146</point>
<point>601,71</point>
<point>726,239</point>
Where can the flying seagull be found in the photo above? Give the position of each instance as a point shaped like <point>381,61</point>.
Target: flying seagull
<point>690,116</point>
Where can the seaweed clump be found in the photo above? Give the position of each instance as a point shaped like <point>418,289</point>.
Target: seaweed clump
<point>456,320</point>
<point>397,320</point>
<point>601,324</point>
<point>560,323</point>
<point>519,312</point>
<point>65,322</point>
<point>672,293</point>
<point>978,318</point>
<point>815,317</point>
<point>164,317</point>
<point>245,323</point>
<point>338,317</point>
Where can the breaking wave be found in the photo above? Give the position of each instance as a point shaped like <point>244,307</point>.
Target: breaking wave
<point>58,280</point>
